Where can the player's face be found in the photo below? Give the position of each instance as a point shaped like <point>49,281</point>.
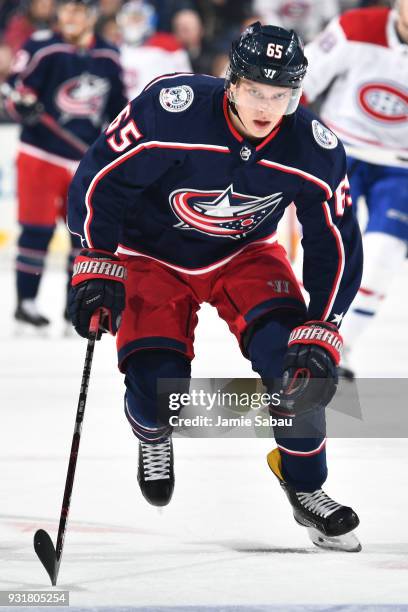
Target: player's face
<point>74,20</point>
<point>402,24</point>
<point>260,106</point>
<point>134,27</point>
<point>42,9</point>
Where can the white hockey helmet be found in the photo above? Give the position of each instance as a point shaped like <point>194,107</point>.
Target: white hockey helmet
<point>137,20</point>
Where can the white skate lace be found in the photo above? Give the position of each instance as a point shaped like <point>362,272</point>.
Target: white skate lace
<point>156,460</point>
<point>318,502</point>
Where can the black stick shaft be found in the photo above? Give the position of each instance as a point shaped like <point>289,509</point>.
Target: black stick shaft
<point>93,332</point>
<point>70,138</point>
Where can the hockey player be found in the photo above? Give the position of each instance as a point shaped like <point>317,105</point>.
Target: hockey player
<point>145,53</point>
<point>75,78</point>
<point>307,17</point>
<point>362,58</point>
<point>178,204</point>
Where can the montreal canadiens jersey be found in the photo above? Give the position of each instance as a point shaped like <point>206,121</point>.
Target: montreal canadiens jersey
<point>361,59</point>
<point>82,89</point>
<point>161,54</point>
<point>306,17</point>
<point>172,180</point>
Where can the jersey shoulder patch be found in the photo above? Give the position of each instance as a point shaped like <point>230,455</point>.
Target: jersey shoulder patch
<point>323,136</point>
<point>176,99</point>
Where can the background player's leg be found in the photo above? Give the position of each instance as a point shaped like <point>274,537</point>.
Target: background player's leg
<point>149,419</point>
<point>31,253</point>
<point>73,252</point>
<point>383,257</point>
<point>385,248</point>
<point>39,191</point>
<point>304,458</point>
<point>75,240</point>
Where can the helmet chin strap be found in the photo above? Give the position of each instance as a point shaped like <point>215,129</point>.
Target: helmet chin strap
<point>232,105</point>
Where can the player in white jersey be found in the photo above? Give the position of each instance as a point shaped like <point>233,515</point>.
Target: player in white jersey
<point>306,17</point>
<point>146,54</point>
<point>362,58</point>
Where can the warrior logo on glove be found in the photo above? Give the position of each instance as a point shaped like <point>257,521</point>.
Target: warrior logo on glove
<point>98,268</point>
<point>310,377</point>
<point>97,284</point>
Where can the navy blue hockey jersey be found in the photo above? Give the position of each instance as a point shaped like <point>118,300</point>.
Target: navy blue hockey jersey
<point>172,179</point>
<point>80,88</point>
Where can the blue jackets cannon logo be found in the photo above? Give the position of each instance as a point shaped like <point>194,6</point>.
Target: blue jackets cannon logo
<point>225,213</point>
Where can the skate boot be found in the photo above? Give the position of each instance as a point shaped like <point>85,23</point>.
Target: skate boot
<point>329,524</point>
<point>27,312</point>
<point>156,471</point>
<point>346,373</point>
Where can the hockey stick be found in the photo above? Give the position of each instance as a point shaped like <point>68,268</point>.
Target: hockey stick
<point>377,155</point>
<point>7,92</point>
<point>49,122</point>
<point>49,556</point>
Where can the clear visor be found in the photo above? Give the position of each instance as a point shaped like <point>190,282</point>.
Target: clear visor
<point>266,99</point>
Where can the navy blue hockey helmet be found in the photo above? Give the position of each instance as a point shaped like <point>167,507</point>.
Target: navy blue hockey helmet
<point>268,54</point>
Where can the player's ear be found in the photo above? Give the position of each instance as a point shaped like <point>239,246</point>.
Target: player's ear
<point>233,89</point>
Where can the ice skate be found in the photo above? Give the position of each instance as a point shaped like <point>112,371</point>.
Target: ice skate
<point>28,317</point>
<point>67,330</point>
<point>344,370</point>
<point>329,524</point>
<point>346,373</point>
<point>156,471</point>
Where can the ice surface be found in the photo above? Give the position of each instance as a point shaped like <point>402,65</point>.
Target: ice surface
<point>228,537</point>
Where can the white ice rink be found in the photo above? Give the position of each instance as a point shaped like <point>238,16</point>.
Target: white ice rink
<point>228,537</point>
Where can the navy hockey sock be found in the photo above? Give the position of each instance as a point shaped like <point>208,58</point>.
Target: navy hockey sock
<point>147,416</point>
<point>304,457</point>
<point>32,250</point>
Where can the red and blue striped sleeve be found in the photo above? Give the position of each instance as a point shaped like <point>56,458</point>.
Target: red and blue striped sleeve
<point>333,255</point>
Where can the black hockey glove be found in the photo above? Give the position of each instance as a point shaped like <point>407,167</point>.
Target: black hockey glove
<point>97,283</point>
<point>24,107</point>
<point>310,367</point>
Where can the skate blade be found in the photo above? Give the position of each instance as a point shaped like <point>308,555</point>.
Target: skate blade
<point>68,331</point>
<point>26,330</point>
<point>346,543</point>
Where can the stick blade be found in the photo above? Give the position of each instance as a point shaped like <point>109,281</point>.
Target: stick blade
<point>45,550</point>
